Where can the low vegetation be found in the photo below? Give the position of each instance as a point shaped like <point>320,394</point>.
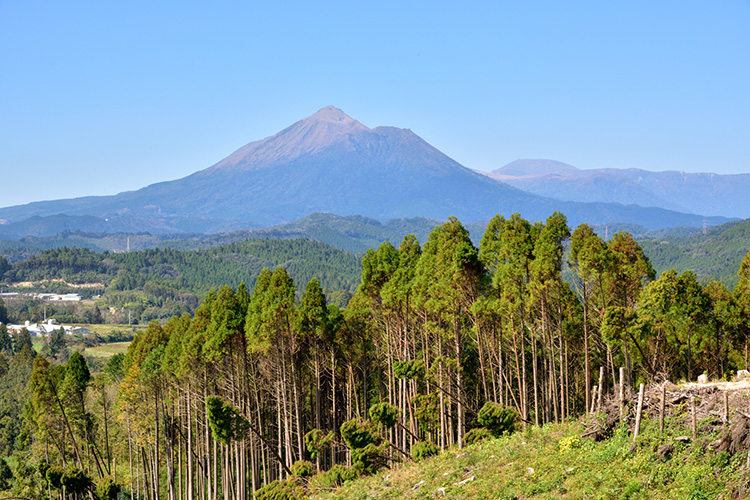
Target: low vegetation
<point>553,461</point>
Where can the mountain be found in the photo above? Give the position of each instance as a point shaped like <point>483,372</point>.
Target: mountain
<point>329,162</point>
<point>699,193</point>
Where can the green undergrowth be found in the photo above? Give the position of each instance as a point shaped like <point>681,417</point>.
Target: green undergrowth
<point>555,462</point>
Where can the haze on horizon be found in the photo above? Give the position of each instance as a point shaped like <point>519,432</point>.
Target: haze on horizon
<point>99,99</point>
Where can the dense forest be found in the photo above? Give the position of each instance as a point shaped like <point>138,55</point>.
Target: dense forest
<point>159,283</point>
<point>443,343</point>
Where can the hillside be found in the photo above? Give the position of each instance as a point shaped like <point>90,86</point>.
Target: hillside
<point>555,462</point>
<point>594,456</point>
<point>712,256</point>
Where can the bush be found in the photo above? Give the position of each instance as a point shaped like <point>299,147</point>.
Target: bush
<point>366,446</point>
<point>384,414</point>
<point>75,481</point>
<point>6,475</point>
<point>54,476</point>
<point>302,468</point>
<point>336,476</point>
<point>316,441</point>
<point>498,419</point>
<point>423,449</point>
<point>476,435</point>
<point>358,433</point>
<point>280,490</point>
<point>569,443</point>
<point>107,489</point>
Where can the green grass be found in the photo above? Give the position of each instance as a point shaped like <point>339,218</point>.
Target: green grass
<point>554,462</point>
<point>108,350</point>
<point>106,329</point>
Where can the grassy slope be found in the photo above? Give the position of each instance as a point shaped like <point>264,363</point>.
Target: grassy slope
<point>537,463</point>
<point>106,351</point>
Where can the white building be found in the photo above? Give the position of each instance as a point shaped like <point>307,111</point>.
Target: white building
<point>44,329</point>
<point>66,297</point>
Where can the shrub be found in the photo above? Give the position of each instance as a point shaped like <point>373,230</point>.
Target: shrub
<point>569,443</point>
<point>280,490</point>
<point>476,435</point>
<point>384,414</point>
<point>341,474</point>
<point>316,441</point>
<point>423,449</point>
<point>302,468</point>
<point>75,481</point>
<point>107,489</point>
<point>54,476</point>
<point>366,446</point>
<point>336,476</point>
<point>498,419</point>
<point>358,433</point>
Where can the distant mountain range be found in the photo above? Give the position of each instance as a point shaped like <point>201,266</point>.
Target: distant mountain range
<point>698,193</point>
<point>327,162</point>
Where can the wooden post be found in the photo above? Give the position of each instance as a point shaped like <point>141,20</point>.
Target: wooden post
<point>638,413</point>
<point>661,408</point>
<point>601,386</point>
<point>593,398</point>
<point>622,394</point>
<point>726,407</point>
<point>692,406</point>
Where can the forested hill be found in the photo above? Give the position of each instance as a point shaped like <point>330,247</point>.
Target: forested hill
<point>712,256</point>
<point>169,274</point>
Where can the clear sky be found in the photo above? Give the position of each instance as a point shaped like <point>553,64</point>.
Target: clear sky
<point>103,97</point>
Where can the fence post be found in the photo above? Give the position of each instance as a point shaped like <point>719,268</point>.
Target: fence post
<point>638,414</point>
<point>692,406</point>
<point>622,394</point>
<point>661,408</point>
<point>726,407</point>
<point>593,398</point>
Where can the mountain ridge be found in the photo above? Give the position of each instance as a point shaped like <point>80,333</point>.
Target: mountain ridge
<point>330,162</point>
<point>705,193</point>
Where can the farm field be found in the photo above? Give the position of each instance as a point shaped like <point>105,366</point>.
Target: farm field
<point>108,350</point>
<point>97,344</point>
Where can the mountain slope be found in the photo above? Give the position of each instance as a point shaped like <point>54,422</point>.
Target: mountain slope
<point>715,255</point>
<point>329,162</point>
<point>703,193</point>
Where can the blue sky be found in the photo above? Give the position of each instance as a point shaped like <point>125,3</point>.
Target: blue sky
<point>103,97</point>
